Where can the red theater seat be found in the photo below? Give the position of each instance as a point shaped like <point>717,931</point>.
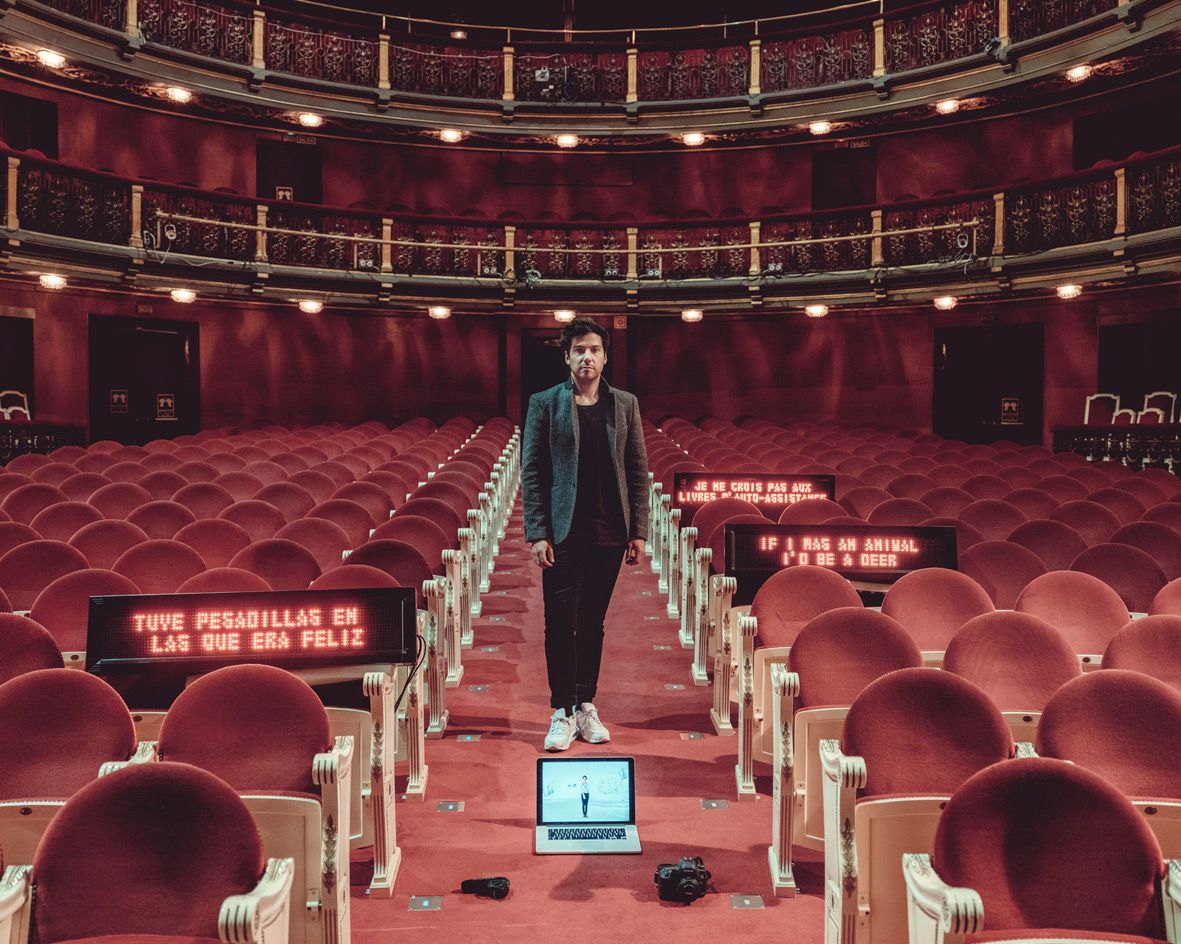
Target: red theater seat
<point>293,500</point>
<point>215,539</point>
<point>25,646</point>
<point>125,471</point>
<point>1167,513</point>
<point>163,484</point>
<point>370,496</point>
<point>204,499</point>
<point>909,485</point>
<point>224,580</point>
<point>353,577</point>
<point>1034,503</point>
<point>29,568</point>
<point>1083,608</point>
<point>25,502</point>
<point>283,564</point>
<point>395,487</point>
<point>103,542</point>
<point>1062,487</point>
<point>53,473</point>
<point>81,486</point>
<point>265,471</point>
<point>404,562</point>
<point>932,604</point>
<point>325,540</point>
<point>904,512</point>
<point>339,474</point>
<point>198,470</point>
<point>61,521</point>
<point>439,512</point>
<point>794,596</point>
<point>419,532</point>
<point>159,566</point>
<point>993,518</point>
<point>946,500</point>
<point>161,519</point>
<point>1130,572</point>
<point>1057,544</point>
<point>241,485</point>
<point>813,511</point>
<point>987,486</point>
<point>861,501</point>
<point>1092,521</point>
<point>119,499</point>
<point>1151,645</point>
<point>64,605</point>
<point>1158,541</point>
<point>259,519</point>
<point>1002,568</point>
<point>1125,506</point>
<point>352,518</point>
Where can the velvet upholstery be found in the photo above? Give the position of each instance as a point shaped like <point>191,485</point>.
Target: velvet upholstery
<point>900,511</point>
<point>103,542</point>
<point>119,499</point>
<point>13,534</point>
<point>813,511</point>
<point>59,522</point>
<point>1027,835</point>
<point>435,510</point>
<point>162,484</point>
<point>1120,724</point>
<point>25,646</point>
<point>1002,568</point>
<point>323,539</point>
<point>716,541</point>
<point>1124,505</point>
<point>1167,513</point>
<point>352,518</point>
<point>224,580</point>
<point>993,518</point>
<point>204,499</point>
<point>1018,659</point>
<point>841,651</point>
<point>214,539</point>
<point>1057,544</point>
<point>1129,571</point>
<point>793,596</point>
<point>294,501</point>
<point>862,500</point>
<point>111,863</point>
<point>923,731</point>
<point>353,577</point>
<point>57,728</point>
<point>933,603</point>
<point>81,485</point>
<point>63,607</point>
<point>159,566</point>
<point>1158,541</point>
<point>1083,608</point>
<point>420,532</point>
<point>455,497</point>
<point>255,726</point>
<point>396,487</point>
<point>29,568</point>
<point>1094,523</point>
<point>161,519</point>
<point>241,485</point>
<point>259,519</point>
<point>283,564</point>
<point>373,498</point>
<point>1151,645</point>
<point>26,501</point>
<point>402,561</point>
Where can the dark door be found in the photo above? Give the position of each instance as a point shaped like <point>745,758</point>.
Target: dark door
<point>289,170</point>
<point>988,383</point>
<point>542,364</point>
<point>144,379</point>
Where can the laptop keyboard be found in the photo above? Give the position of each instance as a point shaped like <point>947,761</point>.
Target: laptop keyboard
<point>587,832</point>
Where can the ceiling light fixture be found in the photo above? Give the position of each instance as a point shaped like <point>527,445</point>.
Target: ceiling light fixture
<point>692,315</point>
<point>949,106</point>
<point>946,302</point>
<point>567,140</point>
<point>311,306</point>
<point>310,119</point>
<point>1079,73</point>
<point>53,281</point>
<point>564,315</point>
<point>693,138</point>
<point>50,59</point>
<point>816,310</point>
<point>451,135</point>
<point>182,96</point>
<point>1069,291</point>
<point>439,312</point>
<point>820,127</point>
<point>458,34</point>
<point>183,296</point>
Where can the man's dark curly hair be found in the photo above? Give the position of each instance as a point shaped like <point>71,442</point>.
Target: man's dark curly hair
<point>580,326</point>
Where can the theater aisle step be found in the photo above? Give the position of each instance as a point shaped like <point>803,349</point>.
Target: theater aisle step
<point>504,702</point>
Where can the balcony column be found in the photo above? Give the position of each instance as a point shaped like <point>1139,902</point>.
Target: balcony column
<point>131,21</point>
<point>1121,202</point>
<point>876,256</point>
<point>510,256</point>
<point>258,40</point>
<point>633,252</point>
<point>383,60</point>
<point>260,245</point>
<point>137,217</point>
<point>879,47</point>
<point>998,225</point>
<point>633,74</point>
<point>1002,22</point>
<point>509,93</point>
<point>756,255</point>
<point>11,220</point>
<point>387,251</point>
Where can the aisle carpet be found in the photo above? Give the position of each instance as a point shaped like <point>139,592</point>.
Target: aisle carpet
<point>582,898</point>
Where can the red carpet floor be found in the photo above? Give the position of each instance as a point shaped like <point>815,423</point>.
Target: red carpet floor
<point>582,898</point>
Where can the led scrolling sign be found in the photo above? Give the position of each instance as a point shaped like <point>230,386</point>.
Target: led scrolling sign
<point>867,553</point>
<point>292,629</point>
<point>769,493</point>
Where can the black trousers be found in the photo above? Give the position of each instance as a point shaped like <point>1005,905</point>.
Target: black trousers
<point>585,804</point>
<point>577,590</point>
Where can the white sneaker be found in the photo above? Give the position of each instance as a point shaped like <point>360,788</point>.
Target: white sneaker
<point>590,728</point>
<point>562,729</point>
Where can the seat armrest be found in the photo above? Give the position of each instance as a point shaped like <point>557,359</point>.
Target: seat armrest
<point>330,766</point>
<point>1025,749</point>
<point>262,916</point>
<point>847,772</point>
<point>16,904</point>
<point>1171,898</point>
<point>145,753</point>
<point>938,913</point>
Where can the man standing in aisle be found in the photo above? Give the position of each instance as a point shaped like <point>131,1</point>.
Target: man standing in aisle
<point>584,483</point>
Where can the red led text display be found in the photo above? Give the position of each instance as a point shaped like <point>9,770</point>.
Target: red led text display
<point>869,553</point>
<point>769,493</point>
<point>302,628</point>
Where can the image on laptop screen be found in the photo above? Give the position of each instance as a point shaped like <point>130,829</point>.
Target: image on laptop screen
<point>585,791</point>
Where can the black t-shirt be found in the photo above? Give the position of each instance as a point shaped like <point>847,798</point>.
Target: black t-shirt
<point>598,514</point>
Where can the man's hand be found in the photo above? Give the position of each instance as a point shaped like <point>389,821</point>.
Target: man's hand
<point>635,550</point>
<point>543,553</point>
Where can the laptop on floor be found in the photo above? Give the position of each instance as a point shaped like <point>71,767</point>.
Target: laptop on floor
<point>586,806</point>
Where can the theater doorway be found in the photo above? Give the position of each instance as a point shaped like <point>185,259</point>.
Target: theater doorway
<point>543,365</point>
<point>989,383</point>
<point>144,379</point>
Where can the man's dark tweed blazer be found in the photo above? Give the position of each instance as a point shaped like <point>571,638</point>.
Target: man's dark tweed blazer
<point>549,463</point>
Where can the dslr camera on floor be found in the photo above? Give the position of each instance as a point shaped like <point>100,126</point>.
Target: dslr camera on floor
<point>684,882</point>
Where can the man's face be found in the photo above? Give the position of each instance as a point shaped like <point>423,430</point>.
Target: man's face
<point>586,357</point>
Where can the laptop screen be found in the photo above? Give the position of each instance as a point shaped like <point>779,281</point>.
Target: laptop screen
<point>607,784</point>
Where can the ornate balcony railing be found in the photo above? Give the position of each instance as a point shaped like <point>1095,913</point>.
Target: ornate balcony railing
<point>1154,193</point>
<point>939,34</point>
<point>1061,214</point>
<point>774,56</point>
<point>201,28</point>
<point>161,222</point>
